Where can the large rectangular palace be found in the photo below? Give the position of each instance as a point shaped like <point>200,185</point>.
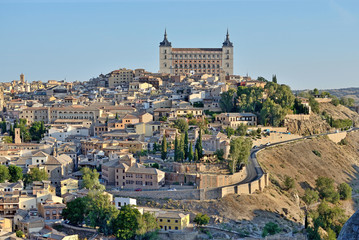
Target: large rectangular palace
<point>181,61</point>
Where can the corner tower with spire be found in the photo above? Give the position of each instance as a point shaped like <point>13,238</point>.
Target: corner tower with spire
<point>182,61</point>
<point>227,56</point>
<point>165,55</point>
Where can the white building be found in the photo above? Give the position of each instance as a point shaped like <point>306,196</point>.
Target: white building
<point>63,132</point>
<point>120,202</point>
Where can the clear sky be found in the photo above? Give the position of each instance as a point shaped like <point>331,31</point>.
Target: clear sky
<point>307,43</point>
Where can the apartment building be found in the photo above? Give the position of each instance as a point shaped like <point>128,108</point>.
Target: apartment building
<point>35,114</point>
<point>168,221</point>
<point>233,120</point>
<point>50,210</point>
<point>128,174</point>
<point>121,76</point>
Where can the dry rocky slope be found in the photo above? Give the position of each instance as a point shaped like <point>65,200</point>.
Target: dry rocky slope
<point>316,125</point>
<point>339,112</point>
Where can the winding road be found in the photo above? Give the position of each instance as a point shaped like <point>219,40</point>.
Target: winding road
<point>255,171</point>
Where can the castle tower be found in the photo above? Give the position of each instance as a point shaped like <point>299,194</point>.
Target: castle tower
<point>22,78</point>
<point>17,136</point>
<point>227,56</point>
<point>165,55</point>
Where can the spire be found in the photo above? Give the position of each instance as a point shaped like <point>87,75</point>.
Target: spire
<point>165,42</point>
<point>227,42</point>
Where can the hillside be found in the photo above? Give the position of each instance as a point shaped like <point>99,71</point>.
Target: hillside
<point>339,112</point>
<point>345,92</point>
<point>297,160</point>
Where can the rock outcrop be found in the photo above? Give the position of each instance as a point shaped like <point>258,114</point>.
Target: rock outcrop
<point>350,230</point>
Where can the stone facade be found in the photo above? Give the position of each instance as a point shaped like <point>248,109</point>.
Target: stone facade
<point>182,61</point>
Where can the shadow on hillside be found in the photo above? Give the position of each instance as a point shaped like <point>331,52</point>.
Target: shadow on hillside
<point>256,224</point>
<point>354,183</point>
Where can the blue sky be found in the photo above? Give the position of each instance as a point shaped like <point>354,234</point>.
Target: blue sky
<point>307,43</point>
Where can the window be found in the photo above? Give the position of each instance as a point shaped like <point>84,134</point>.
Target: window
<point>176,228</point>
<point>160,219</point>
<point>169,228</point>
<point>168,220</point>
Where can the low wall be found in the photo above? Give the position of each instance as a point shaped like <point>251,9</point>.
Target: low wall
<point>274,138</point>
<point>194,194</point>
<point>299,117</point>
<point>337,137</point>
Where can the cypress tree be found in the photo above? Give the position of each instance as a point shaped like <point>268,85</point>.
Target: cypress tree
<point>199,145</point>
<point>176,149</point>
<point>164,148</point>
<point>196,155</point>
<point>185,145</point>
<point>190,152</point>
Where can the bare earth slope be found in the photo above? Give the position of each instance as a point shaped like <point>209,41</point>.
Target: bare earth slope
<point>339,112</point>
<point>296,160</point>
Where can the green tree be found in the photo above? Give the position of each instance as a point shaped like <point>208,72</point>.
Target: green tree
<point>125,224</point>
<point>289,183</point>
<point>101,212</point>
<point>190,152</point>
<point>20,234</point>
<point>198,145</point>
<point>36,174</point>
<point>90,179</point>
<point>195,158</point>
<point>37,131</point>
<point>146,223</point>
<point>3,127</point>
<point>4,173</point>
<point>7,139</point>
<point>176,157</point>
<point>76,210</point>
<point>272,113</point>
<point>181,124</point>
<point>185,145</point>
<point>164,148</point>
<point>249,99</point>
<point>310,196</point>
<point>335,101</point>
<point>15,173</point>
<point>270,228</point>
<point>226,102</point>
<point>201,219</point>
<point>241,130</point>
<point>314,105</point>
<point>274,78</point>
<point>220,154</point>
<point>240,149</point>
<point>345,191</point>
<point>326,189</point>
<point>116,117</point>
<point>229,131</point>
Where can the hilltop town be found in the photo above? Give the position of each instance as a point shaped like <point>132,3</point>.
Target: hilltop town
<point>168,155</point>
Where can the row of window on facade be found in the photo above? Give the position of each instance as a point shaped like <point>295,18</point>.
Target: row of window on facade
<point>140,183</point>
<point>197,66</point>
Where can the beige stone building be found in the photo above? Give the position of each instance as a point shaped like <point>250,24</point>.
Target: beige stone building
<point>180,61</point>
<point>50,210</point>
<point>128,174</point>
<point>121,76</point>
<point>233,120</point>
<point>35,114</point>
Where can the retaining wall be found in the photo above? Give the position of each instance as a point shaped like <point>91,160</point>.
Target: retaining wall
<point>337,137</point>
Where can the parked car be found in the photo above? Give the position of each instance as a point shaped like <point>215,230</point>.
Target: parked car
<point>138,189</point>
<point>172,189</point>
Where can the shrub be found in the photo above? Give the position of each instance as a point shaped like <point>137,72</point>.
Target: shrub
<point>317,153</point>
<point>326,189</point>
<point>343,142</point>
<point>345,191</point>
<point>19,233</point>
<point>310,196</point>
<point>289,182</point>
<point>270,228</point>
<point>201,219</point>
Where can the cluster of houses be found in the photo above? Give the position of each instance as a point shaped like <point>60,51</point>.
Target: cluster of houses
<point>113,123</point>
